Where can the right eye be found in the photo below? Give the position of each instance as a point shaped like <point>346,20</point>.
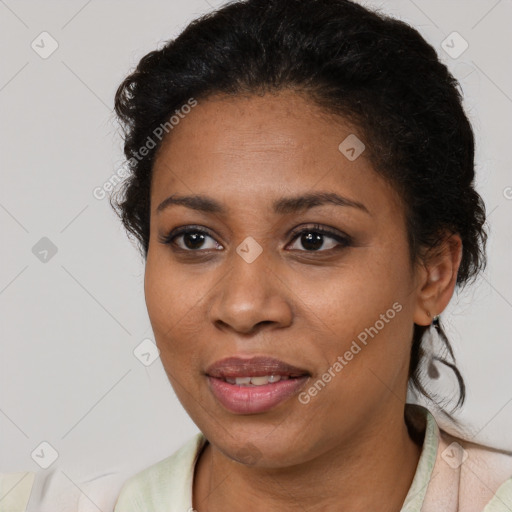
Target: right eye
<point>192,238</point>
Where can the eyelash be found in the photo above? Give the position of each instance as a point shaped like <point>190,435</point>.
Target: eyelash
<point>343,240</point>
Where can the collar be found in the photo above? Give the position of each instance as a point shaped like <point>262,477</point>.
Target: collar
<point>421,420</point>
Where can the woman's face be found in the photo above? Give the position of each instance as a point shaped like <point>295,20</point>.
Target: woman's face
<point>338,307</point>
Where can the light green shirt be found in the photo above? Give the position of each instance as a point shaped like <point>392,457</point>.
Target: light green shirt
<point>15,491</point>
<point>453,475</point>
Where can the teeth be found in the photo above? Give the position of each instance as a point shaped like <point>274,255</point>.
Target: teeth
<point>256,381</point>
<point>260,381</point>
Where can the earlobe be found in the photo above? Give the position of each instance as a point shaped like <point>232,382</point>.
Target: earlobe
<point>439,279</point>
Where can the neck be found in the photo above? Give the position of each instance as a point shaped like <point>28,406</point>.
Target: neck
<point>373,471</point>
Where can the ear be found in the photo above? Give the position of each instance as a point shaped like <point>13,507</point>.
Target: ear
<point>436,279</point>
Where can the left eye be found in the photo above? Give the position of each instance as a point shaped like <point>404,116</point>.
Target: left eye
<point>313,239</point>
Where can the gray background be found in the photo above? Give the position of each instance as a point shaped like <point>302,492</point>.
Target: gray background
<point>69,325</point>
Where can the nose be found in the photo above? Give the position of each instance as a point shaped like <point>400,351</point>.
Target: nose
<point>251,296</point>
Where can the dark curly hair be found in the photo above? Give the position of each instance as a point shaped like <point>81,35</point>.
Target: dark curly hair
<point>373,70</point>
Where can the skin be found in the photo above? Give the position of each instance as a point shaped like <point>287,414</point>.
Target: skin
<point>302,306</point>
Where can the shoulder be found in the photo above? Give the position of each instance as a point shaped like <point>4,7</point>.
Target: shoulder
<point>15,489</point>
<point>484,473</point>
<point>455,473</point>
<point>168,482</point>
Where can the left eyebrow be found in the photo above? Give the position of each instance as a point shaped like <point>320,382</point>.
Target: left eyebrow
<point>288,205</point>
<point>282,206</point>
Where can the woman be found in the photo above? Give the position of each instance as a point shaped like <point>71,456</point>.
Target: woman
<point>302,190</point>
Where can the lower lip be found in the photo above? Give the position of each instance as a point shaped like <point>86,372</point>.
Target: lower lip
<point>254,399</point>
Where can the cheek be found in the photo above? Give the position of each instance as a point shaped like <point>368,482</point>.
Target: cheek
<point>172,296</point>
<point>365,315</point>
<point>168,304</point>
<point>370,329</point>
<point>354,295</point>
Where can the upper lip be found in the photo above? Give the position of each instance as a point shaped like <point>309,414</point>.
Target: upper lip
<point>233,367</point>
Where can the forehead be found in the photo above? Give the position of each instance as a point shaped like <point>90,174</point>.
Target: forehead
<point>254,148</point>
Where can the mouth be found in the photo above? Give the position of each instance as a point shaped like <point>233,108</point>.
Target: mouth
<point>259,380</point>
<point>255,385</point>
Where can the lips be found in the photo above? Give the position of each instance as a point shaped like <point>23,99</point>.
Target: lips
<point>255,385</point>
<point>235,367</point>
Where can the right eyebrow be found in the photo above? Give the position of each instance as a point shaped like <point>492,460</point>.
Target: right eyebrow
<point>197,202</point>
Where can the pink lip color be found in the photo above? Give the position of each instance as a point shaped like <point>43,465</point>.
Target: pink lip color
<point>249,399</point>
<point>254,399</point>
